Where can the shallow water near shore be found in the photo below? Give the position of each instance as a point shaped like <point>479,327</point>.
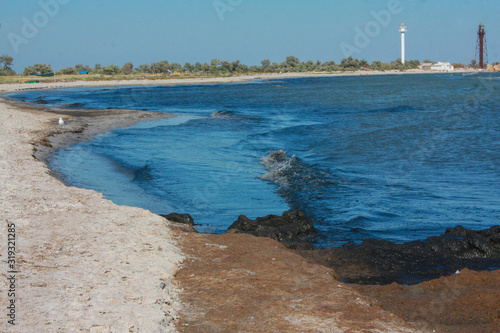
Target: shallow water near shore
<point>396,157</point>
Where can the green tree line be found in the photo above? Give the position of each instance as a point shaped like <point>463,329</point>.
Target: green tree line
<point>216,67</point>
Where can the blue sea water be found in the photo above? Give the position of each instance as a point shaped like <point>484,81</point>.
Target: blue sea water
<point>395,157</point>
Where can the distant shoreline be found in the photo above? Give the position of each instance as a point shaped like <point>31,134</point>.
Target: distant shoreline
<point>47,84</point>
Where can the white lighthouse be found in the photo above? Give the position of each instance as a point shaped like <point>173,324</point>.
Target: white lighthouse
<point>402,30</point>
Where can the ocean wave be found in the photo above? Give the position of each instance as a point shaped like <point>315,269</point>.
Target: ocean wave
<point>143,174</point>
<point>228,115</point>
<point>292,175</point>
<point>279,167</point>
<point>75,105</point>
<point>223,114</point>
<point>398,108</point>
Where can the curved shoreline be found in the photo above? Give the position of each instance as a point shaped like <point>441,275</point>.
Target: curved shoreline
<point>93,272</point>
<point>88,264</point>
<point>82,262</point>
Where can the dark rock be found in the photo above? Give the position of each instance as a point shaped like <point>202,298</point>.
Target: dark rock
<point>293,225</point>
<point>41,101</point>
<point>299,245</point>
<point>179,218</point>
<point>384,262</point>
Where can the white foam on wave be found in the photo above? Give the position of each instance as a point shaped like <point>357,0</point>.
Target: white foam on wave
<point>278,166</point>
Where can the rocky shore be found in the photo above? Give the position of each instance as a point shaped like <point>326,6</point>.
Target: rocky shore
<point>446,283</point>
<point>383,262</point>
<point>380,262</point>
<point>86,264</point>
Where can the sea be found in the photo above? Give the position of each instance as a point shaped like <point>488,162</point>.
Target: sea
<point>393,157</point>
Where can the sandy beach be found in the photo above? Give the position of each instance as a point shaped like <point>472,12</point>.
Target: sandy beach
<point>84,264</point>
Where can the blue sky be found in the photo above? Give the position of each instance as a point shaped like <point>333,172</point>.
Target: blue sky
<point>69,32</point>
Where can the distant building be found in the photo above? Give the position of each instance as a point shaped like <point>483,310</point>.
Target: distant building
<point>426,66</point>
<point>493,68</point>
<point>442,66</point>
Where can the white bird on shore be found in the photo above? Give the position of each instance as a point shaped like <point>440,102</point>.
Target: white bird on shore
<point>61,122</point>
